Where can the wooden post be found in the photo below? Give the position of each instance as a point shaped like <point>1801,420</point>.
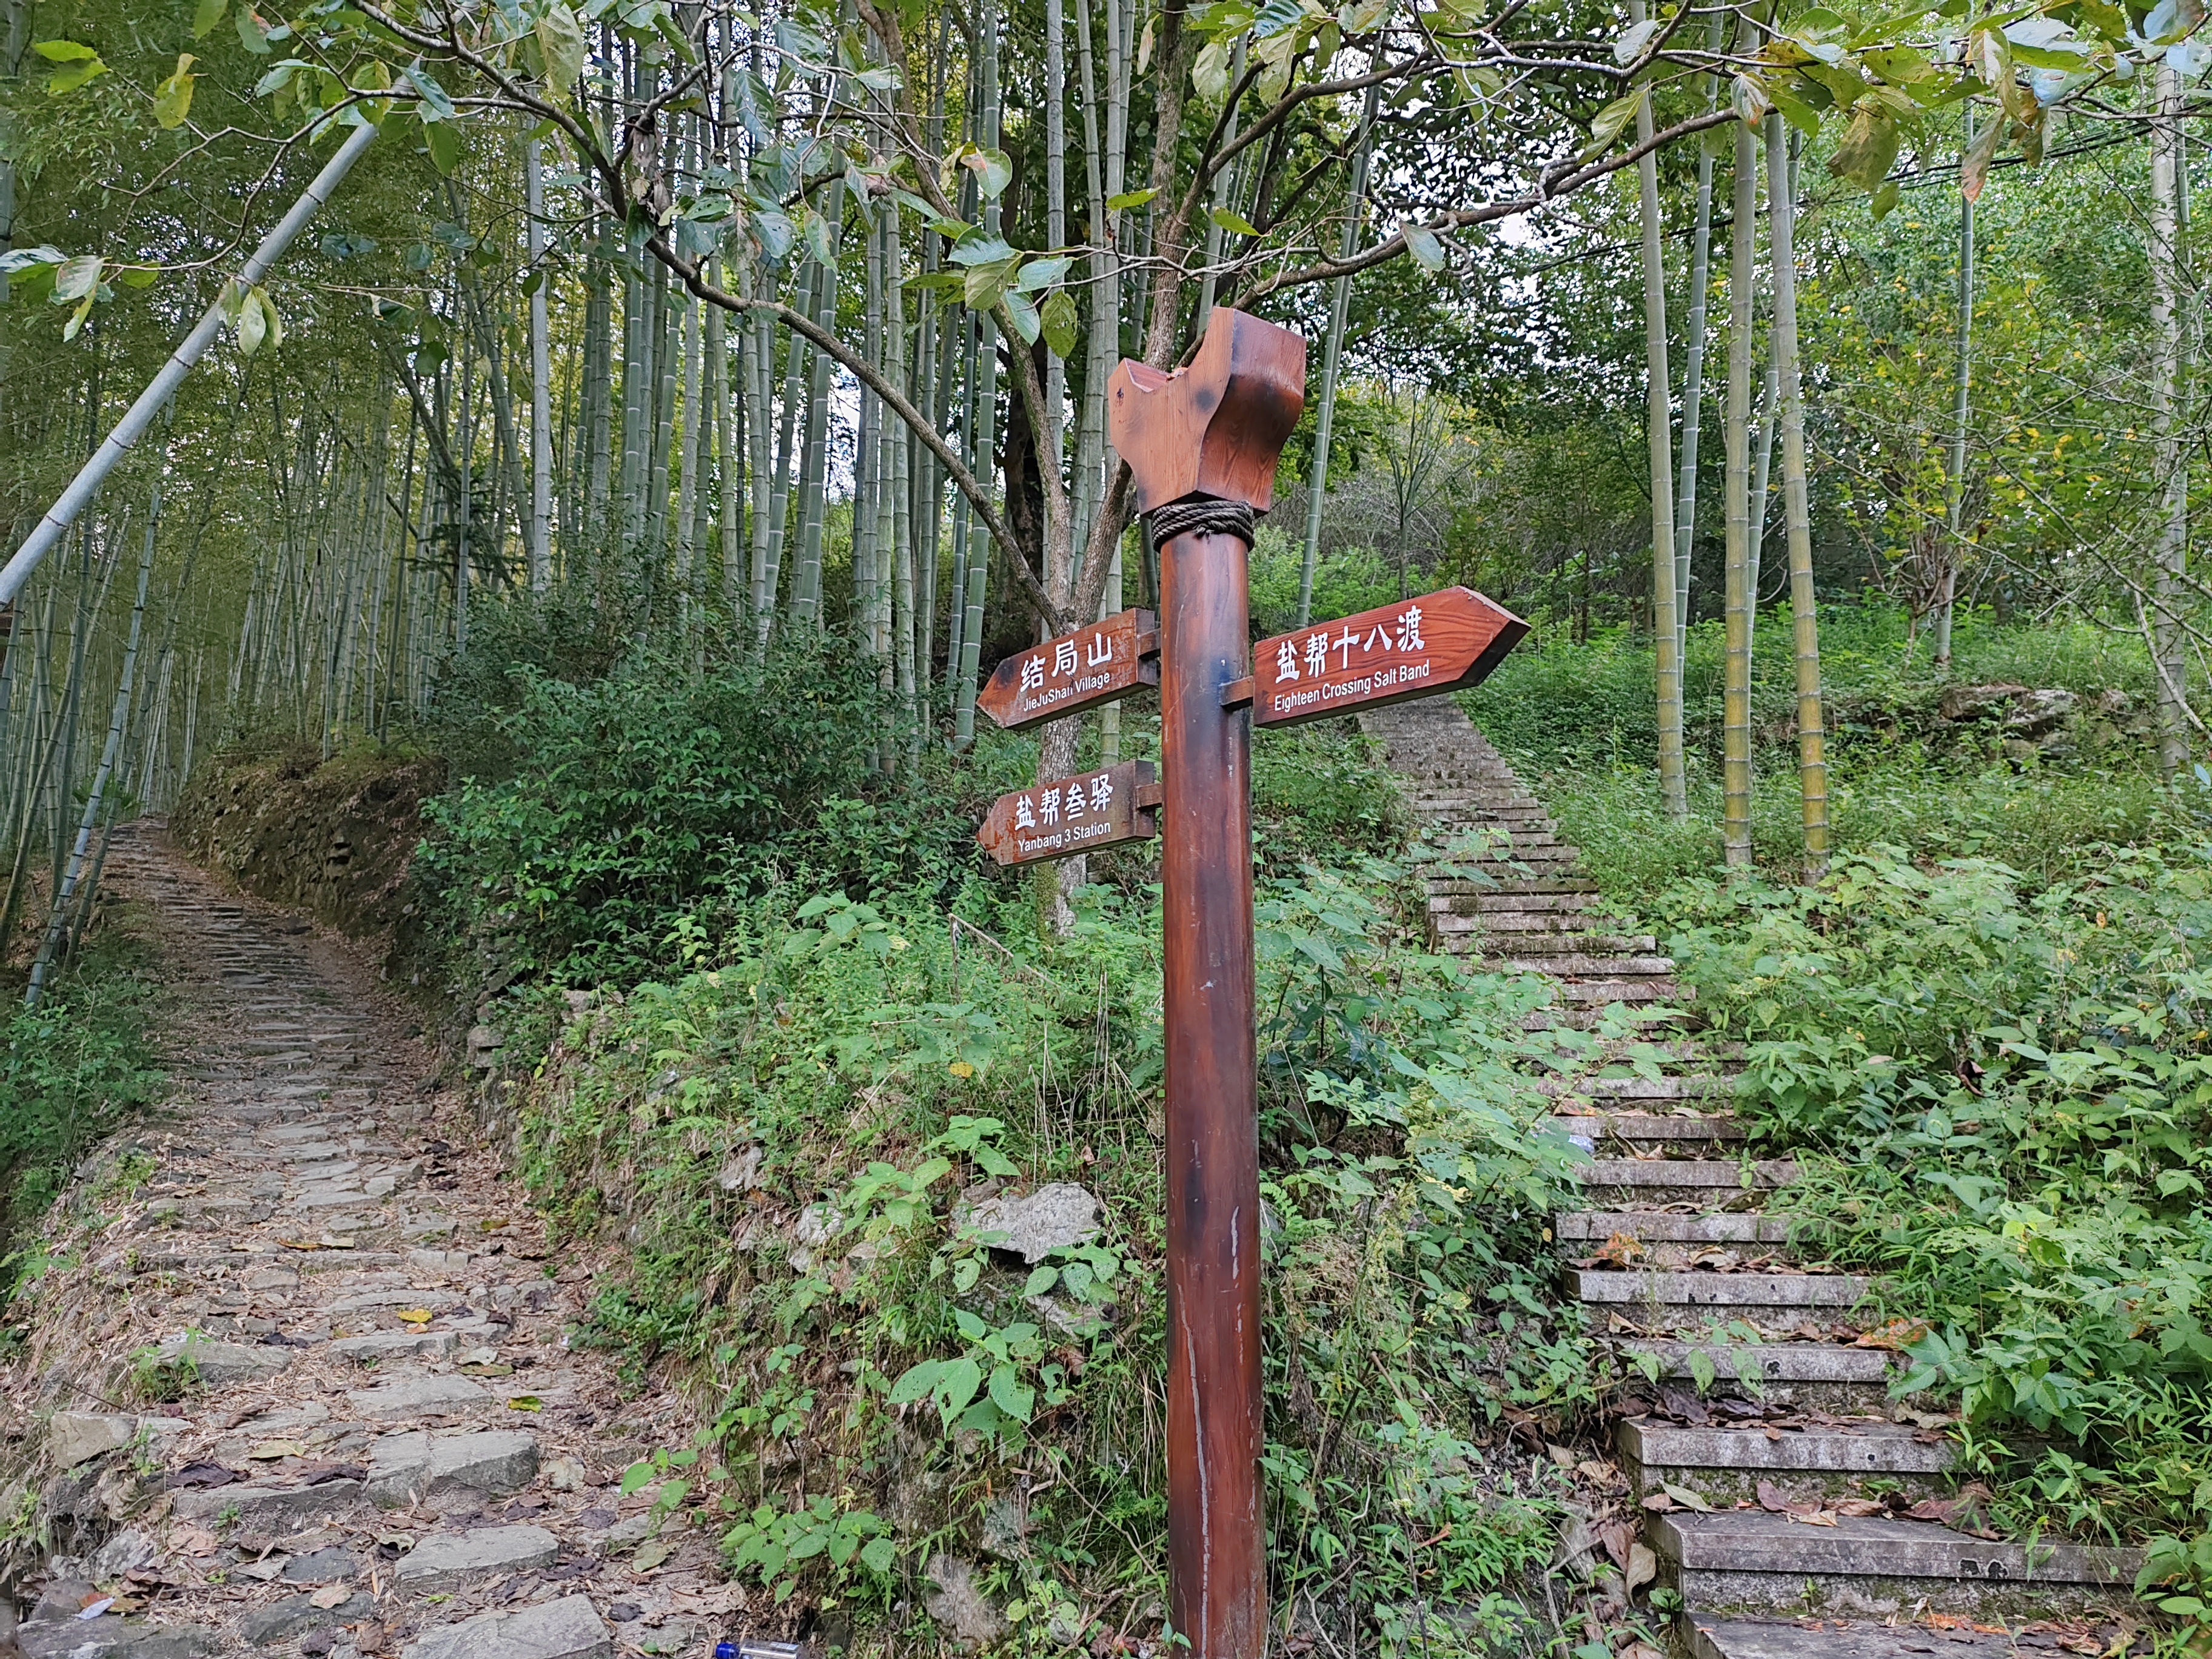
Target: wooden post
<point>1202,444</point>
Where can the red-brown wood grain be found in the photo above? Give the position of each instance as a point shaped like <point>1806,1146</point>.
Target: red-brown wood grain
<point>1440,641</point>
<point>1216,427</point>
<point>1075,814</point>
<point>1094,665</point>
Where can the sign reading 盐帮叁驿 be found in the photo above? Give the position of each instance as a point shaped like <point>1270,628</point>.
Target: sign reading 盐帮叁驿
<point>1069,816</point>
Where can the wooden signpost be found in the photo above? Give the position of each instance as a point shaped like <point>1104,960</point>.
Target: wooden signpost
<point>1202,445</point>
<point>1094,665</point>
<point>1075,815</point>
<point>1439,643</point>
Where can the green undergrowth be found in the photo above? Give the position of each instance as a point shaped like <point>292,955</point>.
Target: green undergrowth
<point>793,1141</point>
<point>71,1070</point>
<point>2000,1092</point>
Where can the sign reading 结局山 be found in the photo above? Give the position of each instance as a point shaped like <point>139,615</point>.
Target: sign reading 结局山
<point>1440,641</point>
<point>1094,665</point>
<point>1080,814</point>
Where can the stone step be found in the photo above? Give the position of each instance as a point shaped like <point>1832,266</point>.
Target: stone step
<point>1606,1286</point>
<point>1819,1374</point>
<point>1726,1464</point>
<point>1712,1182</point>
<point>1515,889</point>
<point>569,1628</point>
<point>1593,968</point>
<point>1753,1562</point>
<point>1647,1089</point>
<point>1670,1227</point>
<point>1649,1129</point>
<point>1849,1638</point>
<point>444,1561</point>
<point>1601,994</point>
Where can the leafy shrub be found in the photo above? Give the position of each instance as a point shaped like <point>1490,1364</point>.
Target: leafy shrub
<point>791,1141</point>
<point>71,1070</point>
<point>634,796</point>
<point>2007,1102</point>
<point>1321,790</point>
<point>1346,582</point>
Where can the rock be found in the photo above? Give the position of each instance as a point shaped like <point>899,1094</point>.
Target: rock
<point>818,1224</point>
<point>269,1506</point>
<point>110,1638</point>
<point>128,1549</point>
<point>376,1346</point>
<point>1970,703</point>
<point>326,1566</point>
<point>959,1605</point>
<point>403,1467</point>
<point>1053,1217</point>
<point>635,1531</point>
<point>296,1615</point>
<point>74,1437</point>
<point>566,1629</point>
<point>219,1365</point>
<point>740,1172</point>
<point>565,1474</point>
<point>2035,713</point>
<point>418,1397</point>
<point>445,1560</point>
<point>1005,1529</point>
<point>484,1046</point>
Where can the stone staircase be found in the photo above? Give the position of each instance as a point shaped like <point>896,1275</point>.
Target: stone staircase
<point>1792,1504</point>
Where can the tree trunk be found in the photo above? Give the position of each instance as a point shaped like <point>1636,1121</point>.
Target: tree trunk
<point>1666,640</point>
<point>1955,550</point>
<point>1736,729</point>
<point>1331,355</point>
<point>2167,401</point>
<point>541,382</point>
<point>1805,625</point>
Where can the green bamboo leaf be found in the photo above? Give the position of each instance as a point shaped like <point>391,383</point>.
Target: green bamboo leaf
<point>1233,222</point>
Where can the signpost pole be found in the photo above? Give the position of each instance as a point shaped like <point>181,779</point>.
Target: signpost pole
<point>1201,447</point>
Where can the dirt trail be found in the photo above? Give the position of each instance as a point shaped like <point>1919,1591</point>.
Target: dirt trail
<point>296,1379</point>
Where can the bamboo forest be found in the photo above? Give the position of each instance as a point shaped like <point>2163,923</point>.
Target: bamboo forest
<point>1367,830</point>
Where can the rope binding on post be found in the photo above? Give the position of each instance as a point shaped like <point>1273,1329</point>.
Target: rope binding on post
<point>1204,515</point>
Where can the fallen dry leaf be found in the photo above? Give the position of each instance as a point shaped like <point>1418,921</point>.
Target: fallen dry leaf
<point>1643,1567</point>
<point>1896,1336</point>
<point>329,1595</point>
<point>650,1554</point>
<point>1771,1498</point>
<point>268,1450</point>
<point>1688,1499</point>
<point>416,1316</point>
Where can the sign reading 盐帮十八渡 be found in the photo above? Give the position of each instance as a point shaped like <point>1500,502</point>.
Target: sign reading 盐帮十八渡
<point>1441,642</point>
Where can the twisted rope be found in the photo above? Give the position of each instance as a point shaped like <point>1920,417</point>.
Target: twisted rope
<point>1200,515</point>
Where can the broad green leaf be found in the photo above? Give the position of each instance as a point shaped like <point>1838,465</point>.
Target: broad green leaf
<point>206,15</point>
<point>993,171</point>
<point>1360,17</point>
<point>916,1383</point>
<point>1630,46</point>
<point>1129,199</point>
<point>1042,273</point>
<point>1209,74</point>
<point>1233,222</point>
<point>252,326</point>
<point>77,65</point>
<point>880,1556</point>
<point>1041,1279</point>
<point>1884,201</point>
<point>76,318</point>
<point>443,140</point>
<point>561,40</point>
<point>436,106</point>
<point>957,1384</point>
<point>1615,119</point>
<point>1869,146</point>
<point>1009,1396</point>
<point>1974,168</point>
<point>1422,244</point>
<point>270,316</point>
<point>251,35</point>
<point>1281,17</point>
<point>1062,325</point>
<point>1702,1369</point>
<point>1027,323</point>
<point>76,278</point>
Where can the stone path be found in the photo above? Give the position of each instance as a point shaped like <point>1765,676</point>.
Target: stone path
<point>296,1377</point>
<point>1795,1508</point>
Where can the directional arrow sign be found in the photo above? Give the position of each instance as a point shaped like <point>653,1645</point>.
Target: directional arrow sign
<point>1075,814</point>
<point>1093,664</point>
<point>1439,643</point>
